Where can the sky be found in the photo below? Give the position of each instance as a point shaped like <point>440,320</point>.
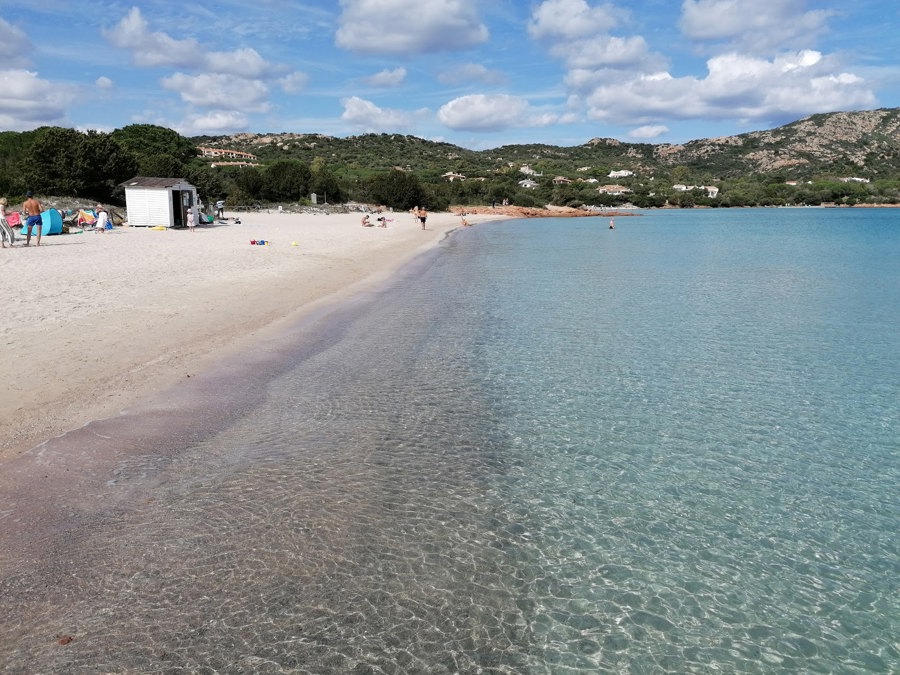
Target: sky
<point>476,73</point>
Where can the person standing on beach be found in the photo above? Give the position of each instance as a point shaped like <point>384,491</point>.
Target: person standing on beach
<point>102,219</point>
<point>423,215</point>
<point>190,219</point>
<point>32,208</point>
<point>6,232</point>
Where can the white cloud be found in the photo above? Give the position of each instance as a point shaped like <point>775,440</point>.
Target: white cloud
<point>13,45</point>
<point>103,83</point>
<point>229,84</point>
<point>387,78</point>
<point>781,24</point>
<point>213,123</point>
<point>28,101</point>
<point>366,116</point>
<point>157,49</point>
<point>220,91</point>
<point>736,86</point>
<point>579,35</point>
<point>153,49</point>
<point>480,112</point>
<point>608,52</point>
<point>471,72</point>
<point>241,62</point>
<point>409,26</point>
<point>648,131</point>
<point>293,83</point>
<point>570,20</point>
<point>619,79</point>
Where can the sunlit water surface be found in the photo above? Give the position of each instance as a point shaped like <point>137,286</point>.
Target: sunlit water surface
<point>550,448</point>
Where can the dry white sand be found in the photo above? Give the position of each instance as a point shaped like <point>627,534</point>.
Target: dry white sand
<point>91,323</point>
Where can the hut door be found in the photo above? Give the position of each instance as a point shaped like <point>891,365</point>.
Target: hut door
<point>181,200</point>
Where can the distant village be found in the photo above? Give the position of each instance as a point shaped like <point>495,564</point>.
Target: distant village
<point>530,183</point>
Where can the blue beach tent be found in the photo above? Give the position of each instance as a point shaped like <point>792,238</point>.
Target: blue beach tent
<point>51,223</point>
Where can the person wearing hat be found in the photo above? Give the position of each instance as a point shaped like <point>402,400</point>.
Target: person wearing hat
<point>32,208</point>
<point>102,219</point>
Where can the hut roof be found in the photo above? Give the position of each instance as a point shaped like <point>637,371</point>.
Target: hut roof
<point>150,182</point>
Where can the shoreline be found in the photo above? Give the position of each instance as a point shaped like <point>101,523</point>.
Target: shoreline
<point>97,323</point>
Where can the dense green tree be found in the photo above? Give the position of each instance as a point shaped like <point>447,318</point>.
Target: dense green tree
<point>103,164</point>
<point>526,199</point>
<point>250,182</point>
<point>286,180</point>
<point>401,190</point>
<point>160,151</point>
<point>51,164</point>
<point>162,165</point>
<point>209,181</point>
<point>73,163</point>
<point>14,146</point>
<point>326,185</point>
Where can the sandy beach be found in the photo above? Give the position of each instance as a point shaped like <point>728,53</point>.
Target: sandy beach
<point>94,322</point>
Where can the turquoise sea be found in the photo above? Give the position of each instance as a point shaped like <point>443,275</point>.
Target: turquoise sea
<point>546,447</point>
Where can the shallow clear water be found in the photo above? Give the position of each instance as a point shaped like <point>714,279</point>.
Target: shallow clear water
<point>549,448</point>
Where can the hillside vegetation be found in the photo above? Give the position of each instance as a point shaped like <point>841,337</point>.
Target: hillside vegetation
<point>843,158</point>
<point>819,153</point>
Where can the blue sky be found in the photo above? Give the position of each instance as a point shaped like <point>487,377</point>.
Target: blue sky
<point>477,73</point>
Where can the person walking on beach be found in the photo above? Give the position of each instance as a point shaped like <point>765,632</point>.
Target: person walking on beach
<point>32,208</point>
<point>423,215</point>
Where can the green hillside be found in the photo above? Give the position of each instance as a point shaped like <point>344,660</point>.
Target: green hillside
<point>843,158</point>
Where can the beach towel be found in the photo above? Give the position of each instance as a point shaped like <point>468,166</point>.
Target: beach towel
<point>13,219</point>
<point>86,218</point>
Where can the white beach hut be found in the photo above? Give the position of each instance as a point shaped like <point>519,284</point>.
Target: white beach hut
<point>153,202</point>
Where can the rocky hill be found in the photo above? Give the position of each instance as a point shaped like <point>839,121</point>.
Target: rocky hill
<point>864,144</point>
<point>867,143</point>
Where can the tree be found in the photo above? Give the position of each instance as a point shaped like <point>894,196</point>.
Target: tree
<point>400,190</point>
<point>51,164</point>
<point>73,163</point>
<point>208,181</point>
<point>250,182</point>
<point>13,146</point>
<point>103,164</point>
<point>286,180</point>
<point>323,182</point>
<point>159,151</point>
<point>162,165</point>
